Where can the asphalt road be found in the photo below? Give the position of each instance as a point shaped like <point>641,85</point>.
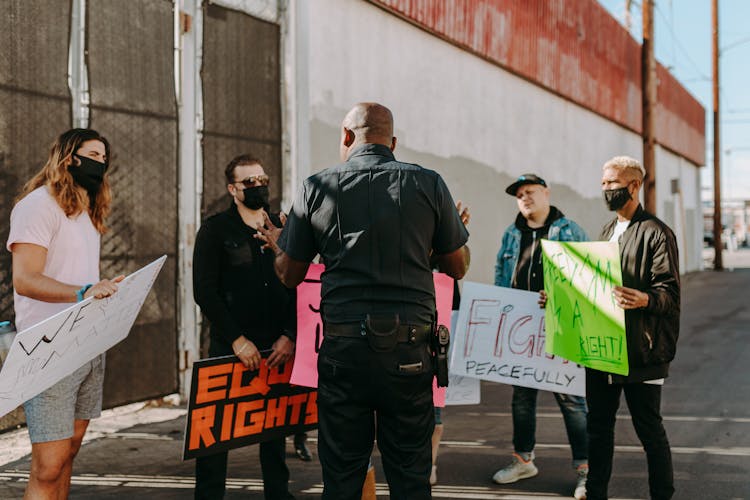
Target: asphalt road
<point>706,405</point>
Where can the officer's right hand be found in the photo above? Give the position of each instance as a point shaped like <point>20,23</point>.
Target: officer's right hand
<point>269,233</point>
<point>247,353</point>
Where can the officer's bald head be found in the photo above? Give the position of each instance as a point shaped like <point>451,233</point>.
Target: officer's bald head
<point>366,123</point>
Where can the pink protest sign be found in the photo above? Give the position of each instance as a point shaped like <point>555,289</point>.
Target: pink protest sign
<point>444,304</point>
<point>309,329</point>
<point>310,326</point>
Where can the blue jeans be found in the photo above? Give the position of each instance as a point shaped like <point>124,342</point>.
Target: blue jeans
<point>574,413</point>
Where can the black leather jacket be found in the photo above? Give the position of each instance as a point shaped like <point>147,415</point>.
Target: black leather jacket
<point>649,261</point>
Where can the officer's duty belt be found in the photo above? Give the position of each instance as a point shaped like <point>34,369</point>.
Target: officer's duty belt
<point>406,333</point>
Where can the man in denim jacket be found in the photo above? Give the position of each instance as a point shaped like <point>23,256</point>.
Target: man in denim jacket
<point>519,265</point>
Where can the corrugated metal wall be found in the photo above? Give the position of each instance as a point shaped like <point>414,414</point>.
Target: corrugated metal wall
<point>573,48</point>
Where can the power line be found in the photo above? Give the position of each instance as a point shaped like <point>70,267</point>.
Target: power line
<point>675,40</point>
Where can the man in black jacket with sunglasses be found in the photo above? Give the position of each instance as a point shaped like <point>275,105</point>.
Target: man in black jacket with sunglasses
<point>249,309</point>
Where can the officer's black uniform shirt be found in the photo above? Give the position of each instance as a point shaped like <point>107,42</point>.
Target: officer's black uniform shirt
<point>236,287</point>
<point>374,221</point>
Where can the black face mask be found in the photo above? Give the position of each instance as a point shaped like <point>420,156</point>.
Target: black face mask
<point>616,198</point>
<point>256,197</point>
<point>89,174</point>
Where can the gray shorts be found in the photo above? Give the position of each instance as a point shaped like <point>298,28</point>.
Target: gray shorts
<point>50,414</point>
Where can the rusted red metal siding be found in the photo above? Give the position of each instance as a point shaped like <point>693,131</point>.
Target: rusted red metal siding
<point>573,48</point>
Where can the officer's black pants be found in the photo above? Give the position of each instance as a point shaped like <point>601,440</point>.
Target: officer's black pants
<point>356,388</point>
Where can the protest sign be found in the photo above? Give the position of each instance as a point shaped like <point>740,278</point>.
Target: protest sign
<point>500,337</point>
<point>310,326</point>
<point>444,306</point>
<point>231,406</point>
<point>584,324</point>
<point>309,329</point>
<point>43,354</point>
<point>460,390</point>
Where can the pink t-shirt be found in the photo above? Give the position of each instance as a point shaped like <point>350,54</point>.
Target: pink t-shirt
<point>72,245</point>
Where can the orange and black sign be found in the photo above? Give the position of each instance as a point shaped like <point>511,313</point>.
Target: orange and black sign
<point>231,406</point>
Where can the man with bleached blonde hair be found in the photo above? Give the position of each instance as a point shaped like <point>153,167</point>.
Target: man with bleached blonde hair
<point>650,296</point>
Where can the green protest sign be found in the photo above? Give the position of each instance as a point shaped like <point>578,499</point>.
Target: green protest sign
<point>582,321</point>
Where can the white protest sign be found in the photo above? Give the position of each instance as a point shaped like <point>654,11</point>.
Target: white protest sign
<point>500,337</point>
<point>45,353</point>
<point>460,390</point>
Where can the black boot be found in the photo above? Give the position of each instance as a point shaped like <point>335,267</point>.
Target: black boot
<point>300,447</point>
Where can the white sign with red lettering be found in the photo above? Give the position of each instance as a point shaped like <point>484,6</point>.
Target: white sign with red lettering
<point>500,337</point>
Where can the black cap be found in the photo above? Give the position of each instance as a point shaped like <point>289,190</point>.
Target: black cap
<point>523,180</point>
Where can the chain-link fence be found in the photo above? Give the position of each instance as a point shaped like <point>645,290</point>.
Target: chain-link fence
<point>130,63</point>
<point>35,107</point>
<point>131,80</point>
<point>241,102</point>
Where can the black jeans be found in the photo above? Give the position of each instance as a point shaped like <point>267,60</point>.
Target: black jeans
<point>211,470</point>
<point>644,403</point>
<point>362,393</point>
<point>211,473</point>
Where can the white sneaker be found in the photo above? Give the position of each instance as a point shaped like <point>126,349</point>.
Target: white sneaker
<point>583,472</point>
<point>518,469</point>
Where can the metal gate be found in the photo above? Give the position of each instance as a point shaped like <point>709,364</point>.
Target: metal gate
<point>35,107</point>
<point>241,104</point>
<point>241,100</point>
<point>131,80</point>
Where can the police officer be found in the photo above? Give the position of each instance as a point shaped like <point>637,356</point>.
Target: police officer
<point>249,309</point>
<point>374,221</point>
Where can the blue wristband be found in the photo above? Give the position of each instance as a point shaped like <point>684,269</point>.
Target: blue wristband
<point>81,291</point>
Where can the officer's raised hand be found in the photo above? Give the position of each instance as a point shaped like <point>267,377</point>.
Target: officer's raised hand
<point>269,233</point>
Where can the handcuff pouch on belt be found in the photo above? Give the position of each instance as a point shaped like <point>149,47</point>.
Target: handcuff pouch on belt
<point>382,332</point>
<point>439,345</point>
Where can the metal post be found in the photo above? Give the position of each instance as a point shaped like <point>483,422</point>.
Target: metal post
<point>648,93</point>
<point>78,81</point>
<point>718,245</point>
<point>188,53</point>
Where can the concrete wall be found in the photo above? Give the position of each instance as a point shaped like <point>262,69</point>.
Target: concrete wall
<point>475,123</point>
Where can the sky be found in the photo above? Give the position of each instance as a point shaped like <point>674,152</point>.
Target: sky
<point>682,39</point>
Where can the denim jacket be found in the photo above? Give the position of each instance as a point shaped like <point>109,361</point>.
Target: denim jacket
<point>562,229</point>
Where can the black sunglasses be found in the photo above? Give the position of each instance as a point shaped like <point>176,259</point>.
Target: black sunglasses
<point>251,181</point>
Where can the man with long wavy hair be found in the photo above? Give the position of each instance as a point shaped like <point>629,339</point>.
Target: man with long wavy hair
<point>55,233</point>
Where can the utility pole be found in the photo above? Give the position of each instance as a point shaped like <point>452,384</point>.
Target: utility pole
<point>648,97</point>
<point>628,18</point>
<point>718,245</point>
